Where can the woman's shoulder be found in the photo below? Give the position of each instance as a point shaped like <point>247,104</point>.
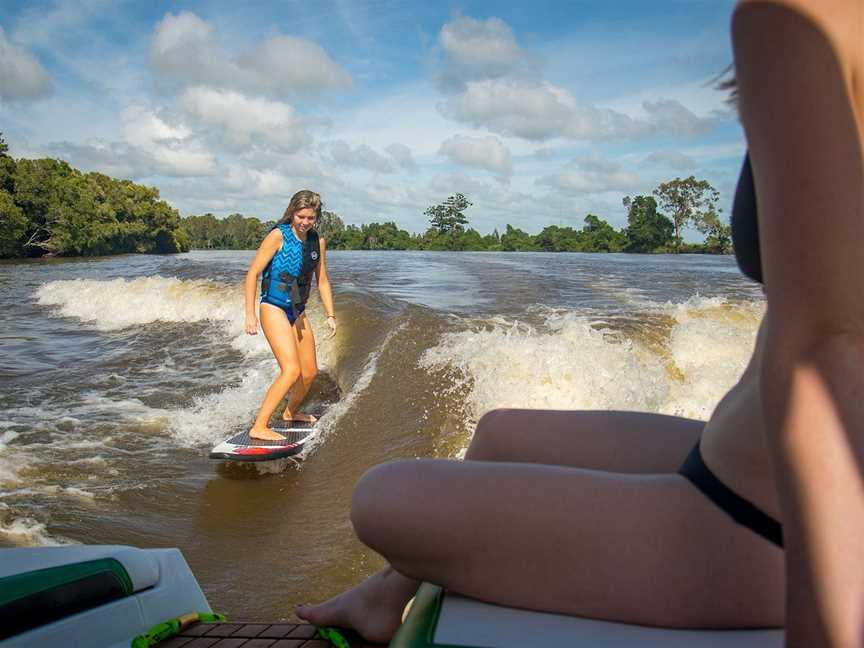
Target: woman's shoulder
<point>273,238</point>
<point>839,20</point>
<point>836,23</point>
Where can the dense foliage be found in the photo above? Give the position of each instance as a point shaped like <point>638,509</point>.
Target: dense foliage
<point>234,232</point>
<point>49,208</point>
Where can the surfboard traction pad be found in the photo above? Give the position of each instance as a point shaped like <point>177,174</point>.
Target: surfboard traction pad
<point>241,447</point>
<point>256,634</point>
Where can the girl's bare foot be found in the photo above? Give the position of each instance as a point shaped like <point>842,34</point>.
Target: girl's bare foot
<point>265,435</point>
<point>302,418</point>
<point>373,608</point>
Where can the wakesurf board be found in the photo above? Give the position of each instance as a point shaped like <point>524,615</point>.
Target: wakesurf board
<point>241,447</point>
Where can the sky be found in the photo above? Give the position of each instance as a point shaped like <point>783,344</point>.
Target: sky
<point>539,112</point>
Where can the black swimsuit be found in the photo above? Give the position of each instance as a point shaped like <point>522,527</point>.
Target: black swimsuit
<point>745,238</point>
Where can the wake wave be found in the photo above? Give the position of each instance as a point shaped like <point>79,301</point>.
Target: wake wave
<point>680,360</point>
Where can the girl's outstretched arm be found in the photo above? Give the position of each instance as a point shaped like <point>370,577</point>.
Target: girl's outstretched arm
<point>269,246</point>
<point>795,64</point>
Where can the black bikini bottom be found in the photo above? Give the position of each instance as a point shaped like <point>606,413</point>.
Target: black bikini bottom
<point>742,511</point>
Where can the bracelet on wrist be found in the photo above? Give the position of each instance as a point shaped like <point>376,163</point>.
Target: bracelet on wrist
<point>331,317</point>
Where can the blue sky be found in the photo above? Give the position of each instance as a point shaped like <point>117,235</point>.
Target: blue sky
<point>540,112</point>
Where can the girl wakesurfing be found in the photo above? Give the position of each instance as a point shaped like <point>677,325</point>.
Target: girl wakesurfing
<point>287,259</point>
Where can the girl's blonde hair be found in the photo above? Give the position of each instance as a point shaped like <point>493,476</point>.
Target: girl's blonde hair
<point>303,199</point>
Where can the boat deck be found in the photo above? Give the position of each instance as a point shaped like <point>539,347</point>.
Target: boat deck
<point>255,635</point>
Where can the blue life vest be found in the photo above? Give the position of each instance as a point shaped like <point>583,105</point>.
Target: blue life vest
<point>287,279</point>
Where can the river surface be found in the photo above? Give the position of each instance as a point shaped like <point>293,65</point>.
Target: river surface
<point>118,374</point>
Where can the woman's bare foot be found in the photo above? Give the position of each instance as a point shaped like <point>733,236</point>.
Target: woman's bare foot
<point>373,608</point>
<point>299,417</point>
<point>265,435</point>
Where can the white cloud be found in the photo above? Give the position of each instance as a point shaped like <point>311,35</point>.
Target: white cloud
<point>491,83</point>
<point>170,147</point>
<point>591,173</point>
<point>595,163</point>
<point>287,62</point>
<point>275,122</point>
<point>476,49</point>
<point>21,75</point>
<point>402,155</point>
<point>534,111</point>
<point>483,152</point>
<point>124,160</point>
<point>670,116</point>
<point>539,111</point>
<point>111,158</point>
<point>184,48</point>
<point>362,156</point>
<point>674,159</point>
<point>143,128</point>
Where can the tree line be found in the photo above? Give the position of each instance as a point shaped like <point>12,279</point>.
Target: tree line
<point>49,208</point>
<point>688,202</point>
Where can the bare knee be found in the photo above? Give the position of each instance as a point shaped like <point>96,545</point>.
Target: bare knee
<point>388,509</point>
<point>369,502</point>
<point>488,434</point>
<point>289,376</point>
<point>309,374</point>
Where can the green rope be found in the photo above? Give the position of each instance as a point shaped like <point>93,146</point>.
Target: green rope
<point>334,637</point>
<point>172,627</point>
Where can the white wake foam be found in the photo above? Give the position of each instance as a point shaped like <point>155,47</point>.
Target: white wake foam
<point>570,364</point>
<point>120,303</point>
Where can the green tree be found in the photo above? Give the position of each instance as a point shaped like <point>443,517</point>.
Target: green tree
<point>41,192</point>
<point>647,230</point>
<point>329,224</point>
<point>687,201</point>
<point>202,231</point>
<point>557,239</point>
<point>354,238</point>
<point>4,147</point>
<point>69,213</point>
<point>515,240</point>
<point>448,216</point>
<point>13,226</point>
<point>718,234</point>
<point>600,236</point>
<point>384,236</point>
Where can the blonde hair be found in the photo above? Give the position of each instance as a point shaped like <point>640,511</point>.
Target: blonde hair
<point>303,199</point>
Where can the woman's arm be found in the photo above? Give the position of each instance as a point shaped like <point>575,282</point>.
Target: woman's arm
<point>269,246</point>
<point>792,67</point>
<point>324,289</point>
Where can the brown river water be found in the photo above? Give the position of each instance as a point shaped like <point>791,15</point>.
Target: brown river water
<point>118,374</point>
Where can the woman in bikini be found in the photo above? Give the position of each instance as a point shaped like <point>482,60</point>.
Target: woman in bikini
<point>286,260</point>
<point>754,518</point>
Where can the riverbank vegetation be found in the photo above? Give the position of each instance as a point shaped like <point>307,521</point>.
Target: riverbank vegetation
<point>48,207</point>
<point>690,202</point>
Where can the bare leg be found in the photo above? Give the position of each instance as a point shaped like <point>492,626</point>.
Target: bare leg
<point>278,332</point>
<point>308,370</point>
<point>647,549</point>
<point>624,442</point>
<point>614,441</point>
